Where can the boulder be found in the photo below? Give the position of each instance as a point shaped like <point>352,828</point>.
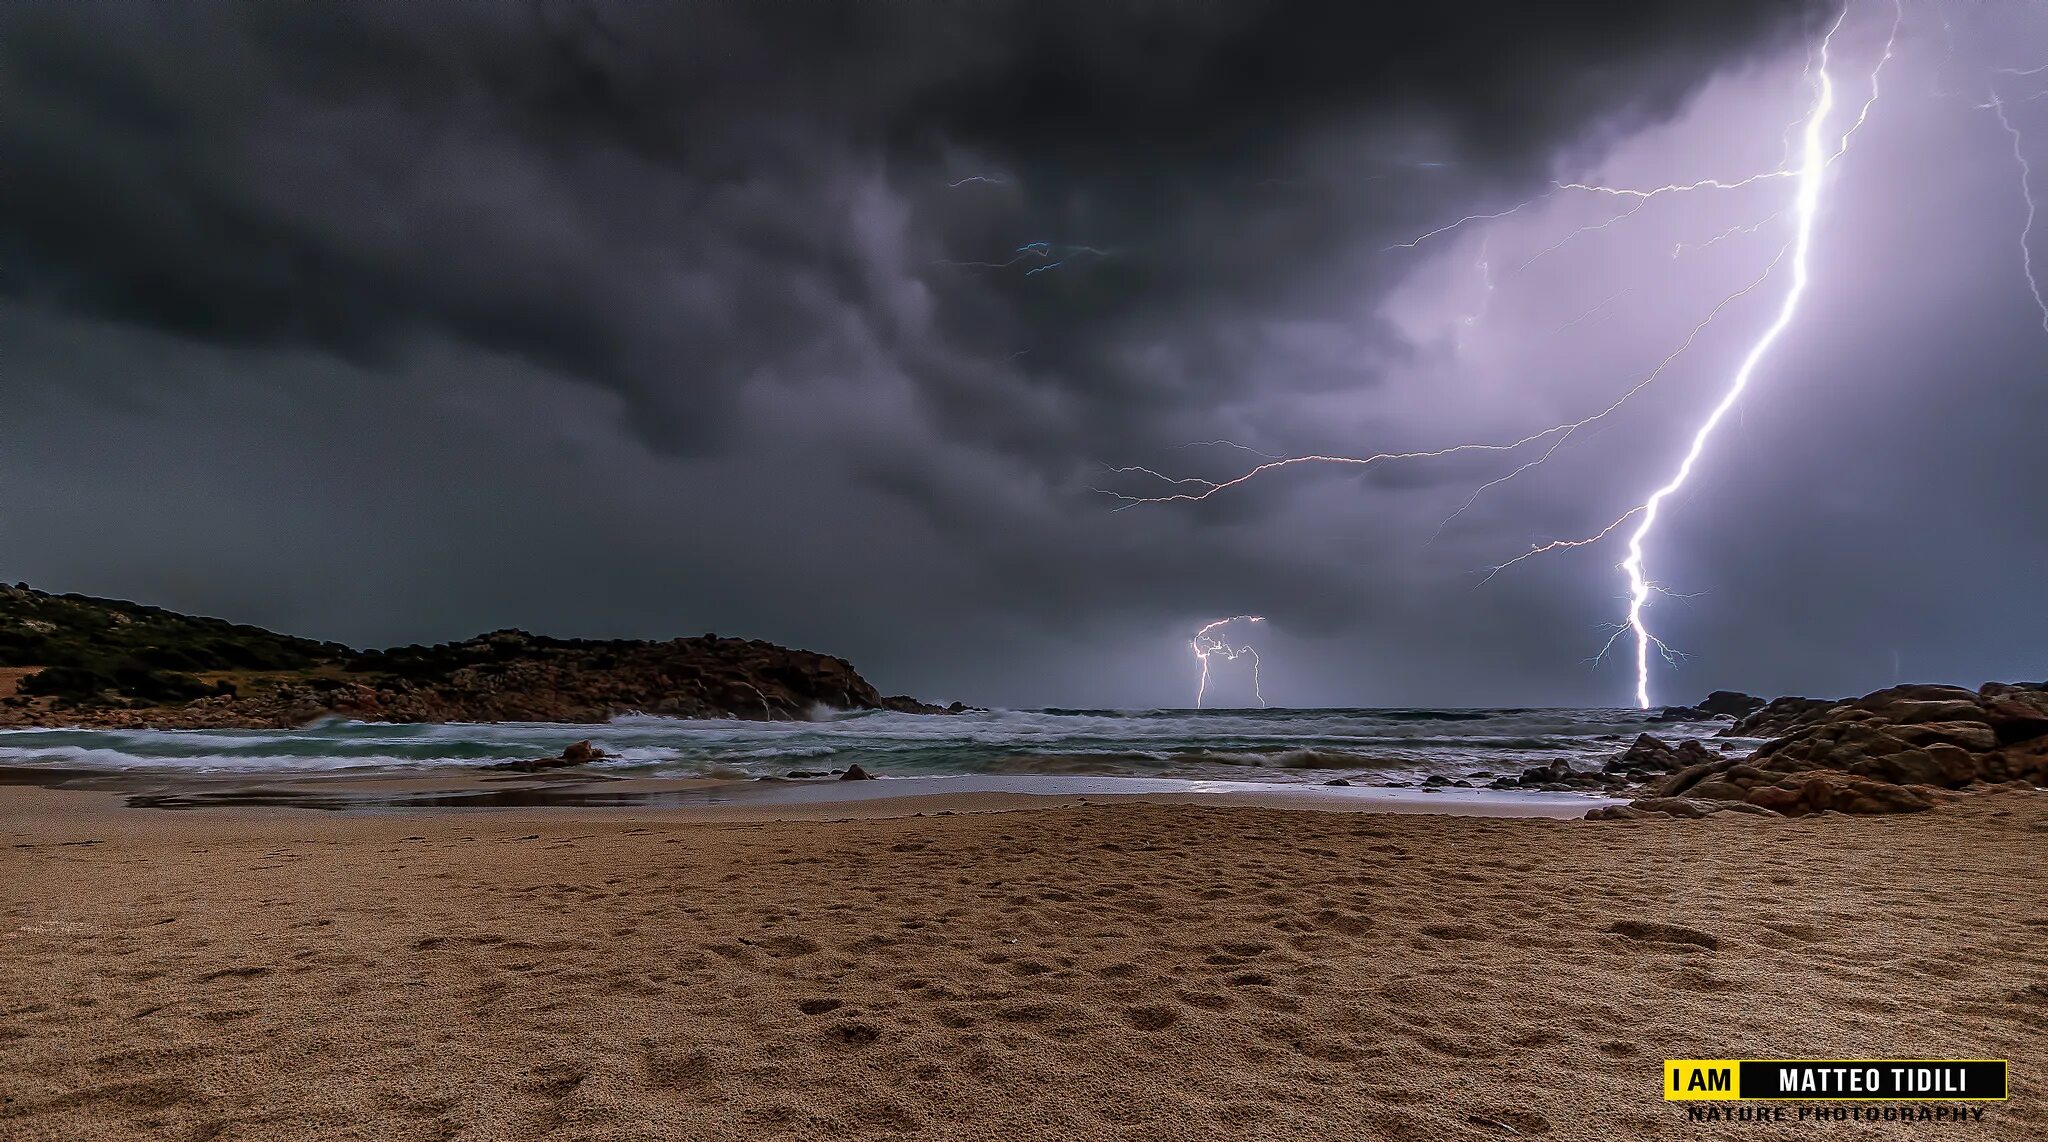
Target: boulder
<point>855,773</point>
<point>1652,755</point>
<point>1731,704</point>
<point>2023,761</point>
<point>1672,806</point>
<point>1818,791</point>
<point>1778,716</point>
<point>580,753</point>
<point>1973,736</point>
<point>1688,777</point>
<point>2016,715</point>
<point>1913,711</point>
<point>1557,775</point>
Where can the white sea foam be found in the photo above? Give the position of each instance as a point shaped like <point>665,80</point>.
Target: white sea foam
<point>1281,745</point>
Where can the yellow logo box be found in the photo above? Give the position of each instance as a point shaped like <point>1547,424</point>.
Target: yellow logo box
<point>1854,1080</point>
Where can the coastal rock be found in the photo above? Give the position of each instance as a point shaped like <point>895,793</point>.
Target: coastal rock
<point>102,662</point>
<point>1687,807</point>
<point>1556,776</point>
<point>855,773</point>
<point>580,753</point>
<point>1890,751</point>
<point>1652,755</point>
<point>2014,713</point>
<point>1671,806</point>
<point>1778,717</point>
<point>1731,703</point>
<point>2024,761</point>
<point>903,704</point>
<point>1972,735</point>
<point>1871,750</point>
<point>1822,790</point>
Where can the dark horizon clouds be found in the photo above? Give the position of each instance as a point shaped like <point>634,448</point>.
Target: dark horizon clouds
<point>819,323</point>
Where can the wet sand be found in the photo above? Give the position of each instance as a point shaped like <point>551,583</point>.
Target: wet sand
<point>1062,970</point>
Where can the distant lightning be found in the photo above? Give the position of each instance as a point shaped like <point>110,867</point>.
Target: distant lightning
<point>1816,152</point>
<point>1041,256</point>
<point>1207,644</point>
<point>1744,228</point>
<point>1604,302</point>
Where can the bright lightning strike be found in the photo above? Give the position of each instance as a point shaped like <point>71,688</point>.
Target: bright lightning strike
<point>1805,206</point>
<point>1816,153</point>
<point>1208,644</point>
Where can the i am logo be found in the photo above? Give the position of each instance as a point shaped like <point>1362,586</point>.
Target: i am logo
<point>1718,1079</point>
<point>1701,1079</point>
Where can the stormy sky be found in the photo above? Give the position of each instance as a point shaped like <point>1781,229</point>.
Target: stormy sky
<point>826,324</point>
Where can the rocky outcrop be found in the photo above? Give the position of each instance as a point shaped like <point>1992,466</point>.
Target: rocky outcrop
<point>580,753</point>
<point>1731,704</point>
<point>1557,777</point>
<point>1892,751</point>
<point>119,664</point>
<point>1777,716</point>
<point>1649,755</point>
<point>1645,759</point>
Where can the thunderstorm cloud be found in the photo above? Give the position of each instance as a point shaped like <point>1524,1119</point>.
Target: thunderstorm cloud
<point>828,324</point>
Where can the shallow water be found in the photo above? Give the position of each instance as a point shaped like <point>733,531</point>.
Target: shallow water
<point>1275,745</point>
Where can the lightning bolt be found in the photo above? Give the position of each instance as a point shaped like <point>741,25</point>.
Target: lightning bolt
<point>2019,154</point>
<point>1207,643</point>
<point>1805,206</point>
<point>1816,153</point>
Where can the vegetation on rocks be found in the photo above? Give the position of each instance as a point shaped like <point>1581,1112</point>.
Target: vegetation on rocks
<point>77,660</point>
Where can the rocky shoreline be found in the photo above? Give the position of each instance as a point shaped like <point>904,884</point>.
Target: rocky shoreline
<point>1902,749</point>
<point>73,660</point>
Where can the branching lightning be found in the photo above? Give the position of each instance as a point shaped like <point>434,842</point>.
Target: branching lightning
<point>1805,206</point>
<point>1037,256</point>
<point>1806,166</point>
<point>1208,644</point>
<point>2019,154</point>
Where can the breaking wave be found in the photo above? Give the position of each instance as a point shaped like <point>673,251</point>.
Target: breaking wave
<point>1279,745</point>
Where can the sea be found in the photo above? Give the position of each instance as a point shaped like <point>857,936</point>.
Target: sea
<point>1278,746</point>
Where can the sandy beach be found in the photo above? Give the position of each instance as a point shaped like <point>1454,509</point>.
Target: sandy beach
<point>1082,970</point>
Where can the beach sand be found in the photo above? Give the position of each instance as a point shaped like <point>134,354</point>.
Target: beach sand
<point>1120,970</point>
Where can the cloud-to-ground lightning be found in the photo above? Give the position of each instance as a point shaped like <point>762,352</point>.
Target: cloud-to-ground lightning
<point>1806,165</point>
<point>1207,644</point>
<point>1805,207</point>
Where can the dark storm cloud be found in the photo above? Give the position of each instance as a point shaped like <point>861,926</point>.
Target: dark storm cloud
<point>386,322</point>
<point>668,200</point>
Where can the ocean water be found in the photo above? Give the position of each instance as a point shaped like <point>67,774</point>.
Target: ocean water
<point>1273,745</point>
